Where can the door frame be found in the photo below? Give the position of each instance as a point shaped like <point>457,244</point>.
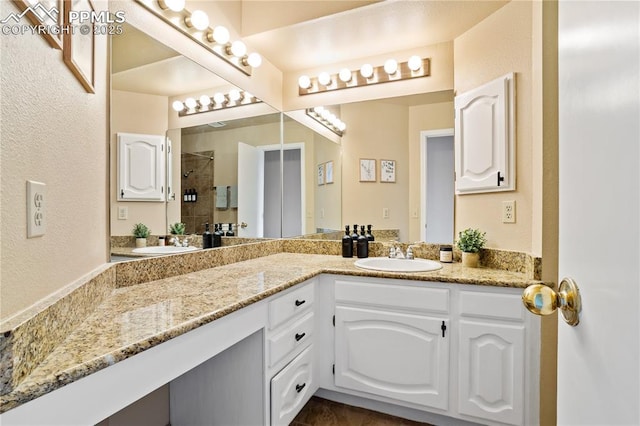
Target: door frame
<point>303,192</point>
<point>425,135</point>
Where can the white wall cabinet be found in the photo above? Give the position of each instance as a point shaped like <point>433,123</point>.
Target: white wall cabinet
<point>141,167</point>
<point>485,137</point>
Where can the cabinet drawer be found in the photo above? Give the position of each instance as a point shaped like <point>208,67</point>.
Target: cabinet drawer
<point>291,388</point>
<point>290,304</point>
<point>491,305</point>
<point>294,336</point>
<point>395,296</point>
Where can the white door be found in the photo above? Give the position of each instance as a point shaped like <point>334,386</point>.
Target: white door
<point>250,190</point>
<point>599,69</point>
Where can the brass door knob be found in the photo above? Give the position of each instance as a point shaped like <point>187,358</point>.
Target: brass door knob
<point>543,300</point>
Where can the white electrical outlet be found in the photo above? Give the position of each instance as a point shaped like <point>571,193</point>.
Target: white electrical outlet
<point>123,213</point>
<point>509,211</point>
<point>385,213</point>
<point>36,192</point>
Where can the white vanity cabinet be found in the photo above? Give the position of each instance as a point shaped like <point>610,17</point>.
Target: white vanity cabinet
<point>141,167</point>
<point>466,352</point>
<point>289,352</point>
<point>492,356</point>
<point>393,341</point>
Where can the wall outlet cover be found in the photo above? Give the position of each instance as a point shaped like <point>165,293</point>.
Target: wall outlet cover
<point>36,196</point>
<point>509,211</point>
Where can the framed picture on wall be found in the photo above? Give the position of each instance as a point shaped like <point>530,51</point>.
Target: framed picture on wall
<point>44,12</point>
<point>320,174</point>
<point>367,170</point>
<point>328,172</point>
<point>388,171</point>
<point>78,50</point>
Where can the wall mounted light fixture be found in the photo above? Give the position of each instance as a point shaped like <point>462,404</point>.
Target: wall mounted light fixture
<point>327,119</point>
<point>218,101</point>
<point>196,25</point>
<point>367,75</point>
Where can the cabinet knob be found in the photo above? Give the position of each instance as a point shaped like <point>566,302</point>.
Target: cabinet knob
<point>543,300</point>
<point>300,336</point>
<point>299,302</point>
<point>300,387</point>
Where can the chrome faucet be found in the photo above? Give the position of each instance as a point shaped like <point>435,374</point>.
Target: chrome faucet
<point>395,252</point>
<point>176,242</point>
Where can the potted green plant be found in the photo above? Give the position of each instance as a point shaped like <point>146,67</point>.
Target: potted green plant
<point>141,232</point>
<point>177,228</point>
<point>470,242</point>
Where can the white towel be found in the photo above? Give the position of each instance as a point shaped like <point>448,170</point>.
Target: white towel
<point>233,195</point>
<point>221,197</point>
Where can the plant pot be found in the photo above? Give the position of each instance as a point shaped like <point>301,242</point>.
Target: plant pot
<point>141,242</point>
<point>470,260</point>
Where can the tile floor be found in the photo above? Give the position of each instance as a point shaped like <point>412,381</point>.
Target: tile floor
<point>322,412</point>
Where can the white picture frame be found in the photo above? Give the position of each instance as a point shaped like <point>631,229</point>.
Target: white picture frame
<point>320,174</point>
<point>328,172</point>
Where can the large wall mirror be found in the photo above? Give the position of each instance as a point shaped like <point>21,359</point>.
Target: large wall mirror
<point>258,171</point>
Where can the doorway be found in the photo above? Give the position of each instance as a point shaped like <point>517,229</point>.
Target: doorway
<point>437,186</point>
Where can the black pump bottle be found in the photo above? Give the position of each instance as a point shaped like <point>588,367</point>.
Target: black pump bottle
<point>347,243</point>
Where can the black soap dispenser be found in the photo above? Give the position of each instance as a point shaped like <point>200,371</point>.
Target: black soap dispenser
<point>207,237</point>
<point>230,232</point>
<point>363,244</point>
<point>347,243</point>
<point>369,235</point>
<point>217,236</point>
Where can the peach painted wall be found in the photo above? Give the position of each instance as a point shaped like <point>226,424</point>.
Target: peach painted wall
<point>54,132</point>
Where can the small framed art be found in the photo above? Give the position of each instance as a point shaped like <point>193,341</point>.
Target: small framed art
<point>388,171</point>
<point>367,170</point>
<point>328,172</point>
<point>320,174</point>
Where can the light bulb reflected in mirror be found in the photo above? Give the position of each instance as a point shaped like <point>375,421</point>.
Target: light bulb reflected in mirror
<point>190,103</point>
<point>345,75</point>
<point>205,101</point>
<point>177,106</point>
<point>324,78</point>
<point>391,66</point>
<point>304,82</point>
<point>219,98</point>
<point>414,63</point>
<point>238,49</point>
<point>219,35</point>
<point>366,70</point>
<point>234,95</point>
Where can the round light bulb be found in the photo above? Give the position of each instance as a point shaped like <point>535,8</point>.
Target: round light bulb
<point>318,110</point>
<point>345,75</point>
<point>325,114</point>
<point>174,5</point>
<point>304,82</point>
<point>324,78</point>
<point>198,19</point>
<point>238,48</point>
<point>221,35</point>
<point>219,98</point>
<point>366,71</point>
<point>341,126</point>
<point>234,95</point>
<point>177,106</point>
<point>415,63</point>
<point>190,103</point>
<point>391,66</point>
<point>205,101</point>
<point>254,60</point>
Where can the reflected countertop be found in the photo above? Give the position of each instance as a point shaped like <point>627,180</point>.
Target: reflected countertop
<point>138,317</point>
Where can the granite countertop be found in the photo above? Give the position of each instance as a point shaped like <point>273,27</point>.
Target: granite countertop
<point>135,318</point>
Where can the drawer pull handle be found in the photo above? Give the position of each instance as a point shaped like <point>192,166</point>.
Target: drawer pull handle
<point>300,387</point>
<point>300,336</point>
<point>299,302</point>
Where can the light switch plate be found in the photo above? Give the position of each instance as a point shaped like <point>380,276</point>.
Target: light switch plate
<point>36,197</point>
<point>123,213</point>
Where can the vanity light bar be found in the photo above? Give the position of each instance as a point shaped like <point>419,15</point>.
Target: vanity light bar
<point>367,75</point>
<point>217,102</point>
<point>196,25</point>
<point>327,119</point>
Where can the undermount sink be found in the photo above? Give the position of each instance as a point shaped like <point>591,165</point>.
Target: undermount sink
<point>398,265</point>
<point>163,250</point>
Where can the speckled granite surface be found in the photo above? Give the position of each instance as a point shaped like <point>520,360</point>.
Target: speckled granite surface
<point>156,299</point>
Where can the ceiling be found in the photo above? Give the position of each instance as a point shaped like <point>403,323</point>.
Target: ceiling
<point>300,34</point>
<point>318,33</point>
